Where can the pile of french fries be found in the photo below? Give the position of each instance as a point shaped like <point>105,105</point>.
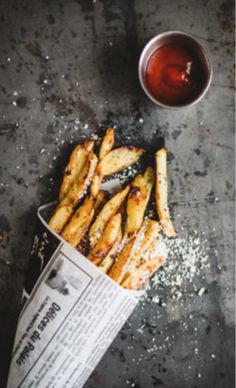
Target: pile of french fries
<point>113,232</point>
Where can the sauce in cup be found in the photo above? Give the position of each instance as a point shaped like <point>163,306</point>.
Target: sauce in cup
<point>175,75</point>
<point>175,70</point>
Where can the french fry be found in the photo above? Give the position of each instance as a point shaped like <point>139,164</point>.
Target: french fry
<point>109,259</point>
<point>96,182</point>
<point>119,159</point>
<point>79,223</point>
<point>79,188</point>
<point>118,268</point>
<point>101,199</point>
<point>138,199</point>
<point>134,247</point>
<point>75,166</point>
<point>65,208</point>
<point>60,217</point>
<point>162,193</point>
<point>151,231</point>
<point>108,239</point>
<point>105,148</point>
<point>108,210</point>
<point>107,143</point>
<point>114,161</point>
<point>81,220</point>
<point>136,279</point>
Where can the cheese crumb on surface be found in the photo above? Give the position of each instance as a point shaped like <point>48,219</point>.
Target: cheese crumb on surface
<point>187,259</point>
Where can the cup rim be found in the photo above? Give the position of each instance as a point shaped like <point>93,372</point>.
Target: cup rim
<point>205,53</point>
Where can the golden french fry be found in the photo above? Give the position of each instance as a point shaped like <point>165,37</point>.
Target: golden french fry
<point>75,166</point>
<point>96,182</point>
<point>109,259</point>
<point>101,199</point>
<point>119,267</point>
<point>81,220</point>
<point>79,188</point>
<point>60,217</point>
<point>108,210</point>
<point>150,233</point>
<point>65,208</point>
<point>107,143</point>
<point>138,199</point>
<point>105,148</point>
<point>79,223</point>
<point>108,239</point>
<point>114,161</point>
<point>136,279</point>
<point>119,159</point>
<point>162,193</point>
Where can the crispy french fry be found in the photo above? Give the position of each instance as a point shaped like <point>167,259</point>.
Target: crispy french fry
<point>79,188</point>
<point>109,259</point>
<point>118,268</point>
<point>108,210</point>
<point>96,182</point>
<point>79,223</point>
<point>107,143</point>
<point>162,193</point>
<point>105,148</point>
<point>65,208</point>
<point>151,231</point>
<point>114,161</point>
<point>81,220</point>
<point>101,199</point>
<point>75,166</point>
<point>108,239</point>
<point>135,280</point>
<point>119,159</point>
<point>60,217</point>
<point>138,199</point>
<point>156,249</point>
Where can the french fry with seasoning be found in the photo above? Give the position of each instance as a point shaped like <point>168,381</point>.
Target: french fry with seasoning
<point>161,193</point>
<point>66,207</point>
<point>108,210</point>
<point>119,159</point>
<point>109,237</point>
<point>113,162</point>
<point>105,148</point>
<point>138,199</point>
<point>81,220</point>
<point>140,276</point>
<point>135,247</point>
<point>151,231</point>
<point>107,143</point>
<point>75,166</point>
<point>96,182</point>
<point>60,217</point>
<point>107,262</point>
<point>118,269</point>
<point>153,258</point>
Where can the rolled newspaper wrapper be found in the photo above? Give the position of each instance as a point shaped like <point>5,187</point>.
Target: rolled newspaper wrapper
<point>72,311</point>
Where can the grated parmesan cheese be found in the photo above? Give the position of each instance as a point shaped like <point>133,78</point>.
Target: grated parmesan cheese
<point>187,258</point>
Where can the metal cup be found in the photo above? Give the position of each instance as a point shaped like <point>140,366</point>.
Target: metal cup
<point>183,39</point>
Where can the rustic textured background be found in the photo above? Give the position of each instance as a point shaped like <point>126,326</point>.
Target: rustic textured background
<point>63,60</point>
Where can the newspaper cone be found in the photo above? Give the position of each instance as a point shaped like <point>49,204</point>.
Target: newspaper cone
<point>71,315</point>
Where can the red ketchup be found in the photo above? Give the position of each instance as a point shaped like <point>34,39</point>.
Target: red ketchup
<point>174,75</point>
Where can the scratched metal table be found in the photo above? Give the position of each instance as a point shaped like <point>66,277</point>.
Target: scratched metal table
<point>69,69</point>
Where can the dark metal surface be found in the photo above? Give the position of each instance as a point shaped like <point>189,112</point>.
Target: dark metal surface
<point>62,60</point>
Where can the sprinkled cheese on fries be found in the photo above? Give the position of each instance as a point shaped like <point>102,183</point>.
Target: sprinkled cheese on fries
<point>120,240</point>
